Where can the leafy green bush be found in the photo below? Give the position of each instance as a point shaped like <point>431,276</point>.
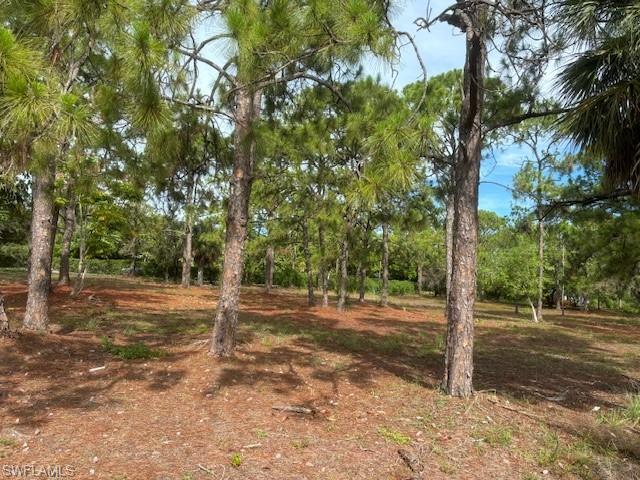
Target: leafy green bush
<point>135,351</point>
<point>108,266</point>
<point>14,255</point>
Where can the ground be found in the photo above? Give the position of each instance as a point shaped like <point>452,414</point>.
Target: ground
<point>550,399</point>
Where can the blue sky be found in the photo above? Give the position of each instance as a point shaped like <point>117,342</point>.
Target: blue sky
<point>442,49</point>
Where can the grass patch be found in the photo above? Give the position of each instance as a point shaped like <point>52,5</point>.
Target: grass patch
<point>627,415</point>
<point>236,460</point>
<point>135,351</point>
<point>303,443</point>
<point>394,436</point>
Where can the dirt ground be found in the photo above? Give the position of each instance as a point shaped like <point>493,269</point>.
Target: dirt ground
<point>369,376</point>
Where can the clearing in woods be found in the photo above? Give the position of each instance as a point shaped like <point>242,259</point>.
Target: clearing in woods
<point>552,402</point>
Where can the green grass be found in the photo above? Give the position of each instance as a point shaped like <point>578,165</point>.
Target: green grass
<point>497,436</point>
<point>627,415</point>
<point>135,351</point>
<point>394,436</point>
<point>236,460</point>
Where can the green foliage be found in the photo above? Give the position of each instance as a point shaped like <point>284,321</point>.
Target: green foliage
<point>394,436</point>
<point>14,255</point>
<point>136,351</point>
<point>236,460</point>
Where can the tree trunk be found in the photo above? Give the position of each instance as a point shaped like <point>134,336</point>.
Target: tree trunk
<point>67,238</point>
<point>362,274</point>
<point>449,244</point>
<point>540,269</point>
<point>269,268</point>
<point>534,313</point>
<point>384,293</point>
<point>54,231</point>
<point>311,299</point>
<point>343,274</point>
<point>187,254</point>
<point>458,374</point>
<point>324,281</point>
<point>36,316</point>
<point>420,280</point>
<point>187,248</point>
<point>247,111</point>
<point>200,275</point>
<point>4,320</point>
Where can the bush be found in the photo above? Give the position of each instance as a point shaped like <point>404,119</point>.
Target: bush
<point>14,255</point>
<point>108,266</point>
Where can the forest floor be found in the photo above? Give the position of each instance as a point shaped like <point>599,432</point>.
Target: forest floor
<point>550,404</point>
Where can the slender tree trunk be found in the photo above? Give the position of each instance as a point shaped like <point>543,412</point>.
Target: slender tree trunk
<point>269,261</point>
<point>540,269</point>
<point>311,299</point>
<point>324,281</point>
<point>4,320</point>
<point>534,313</point>
<point>362,274</point>
<point>200,275</point>
<point>247,111</point>
<point>384,294</point>
<point>420,281</point>
<point>54,232</point>
<point>458,375</point>
<point>36,316</point>
<point>449,244</point>
<point>67,238</point>
<point>187,248</point>
<point>343,274</point>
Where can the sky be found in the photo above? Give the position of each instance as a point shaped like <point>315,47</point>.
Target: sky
<point>442,48</point>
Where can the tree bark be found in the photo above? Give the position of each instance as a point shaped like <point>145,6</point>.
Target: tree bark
<point>187,248</point>
<point>54,231</point>
<point>311,299</point>
<point>324,281</point>
<point>247,111</point>
<point>420,280</point>
<point>458,374</point>
<point>362,274</point>
<point>540,269</point>
<point>67,238</point>
<point>200,275</point>
<point>269,261</point>
<point>36,316</point>
<point>384,293</point>
<point>4,320</point>
<point>449,244</point>
<point>342,265</point>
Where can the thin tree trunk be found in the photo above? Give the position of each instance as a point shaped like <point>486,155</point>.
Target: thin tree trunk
<point>269,261</point>
<point>4,320</point>
<point>311,299</point>
<point>187,248</point>
<point>36,316</point>
<point>200,275</point>
<point>534,313</point>
<point>247,111</point>
<point>343,274</point>
<point>67,238</point>
<point>384,294</point>
<point>324,281</point>
<point>458,374</point>
<point>540,269</point>
<point>54,231</point>
<point>449,244</point>
<point>420,281</point>
<point>362,274</point>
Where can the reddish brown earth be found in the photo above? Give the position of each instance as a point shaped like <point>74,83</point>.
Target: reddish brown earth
<point>370,375</point>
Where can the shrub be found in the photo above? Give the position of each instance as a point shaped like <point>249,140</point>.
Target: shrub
<point>14,255</point>
<point>135,351</point>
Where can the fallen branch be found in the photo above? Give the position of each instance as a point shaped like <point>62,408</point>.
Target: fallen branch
<point>294,409</point>
<point>513,409</point>
<point>412,462</point>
